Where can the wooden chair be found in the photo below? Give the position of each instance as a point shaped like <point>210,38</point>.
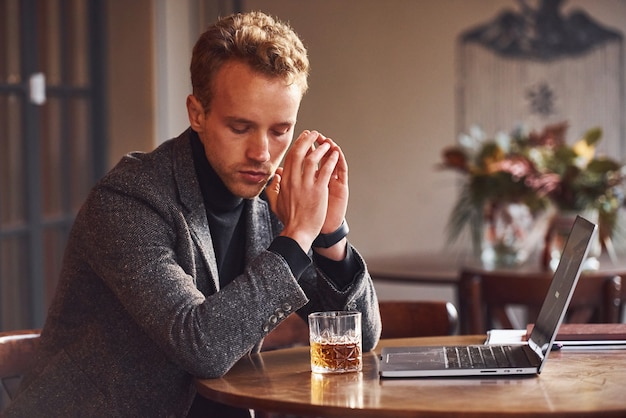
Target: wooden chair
<point>17,354</point>
<point>292,332</point>
<point>487,297</point>
<point>404,319</point>
<point>401,319</point>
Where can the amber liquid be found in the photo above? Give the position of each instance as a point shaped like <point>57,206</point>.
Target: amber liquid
<point>335,357</point>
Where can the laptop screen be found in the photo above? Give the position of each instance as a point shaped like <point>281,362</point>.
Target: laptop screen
<point>562,286</point>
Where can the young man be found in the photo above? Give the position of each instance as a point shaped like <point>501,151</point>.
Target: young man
<point>183,259</point>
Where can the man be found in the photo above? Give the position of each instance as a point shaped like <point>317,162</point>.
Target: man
<point>181,260</point>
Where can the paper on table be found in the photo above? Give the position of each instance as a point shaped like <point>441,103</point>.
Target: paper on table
<point>506,336</point>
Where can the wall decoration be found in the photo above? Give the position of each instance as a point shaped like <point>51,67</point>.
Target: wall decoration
<point>537,66</point>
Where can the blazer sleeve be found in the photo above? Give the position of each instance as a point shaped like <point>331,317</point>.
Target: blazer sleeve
<point>144,252</point>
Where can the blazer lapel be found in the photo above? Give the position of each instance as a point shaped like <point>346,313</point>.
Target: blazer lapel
<point>191,198</point>
<point>259,228</point>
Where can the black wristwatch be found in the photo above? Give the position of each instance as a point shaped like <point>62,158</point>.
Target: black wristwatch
<point>328,240</point>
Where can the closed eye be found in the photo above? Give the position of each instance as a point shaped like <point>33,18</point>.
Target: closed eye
<point>239,128</point>
<point>282,129</point>
<point>281,132</point>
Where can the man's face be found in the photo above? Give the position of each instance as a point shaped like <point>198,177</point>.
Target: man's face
<point>248,128</point>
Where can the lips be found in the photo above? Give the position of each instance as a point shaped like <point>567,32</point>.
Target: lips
<point>253,176</point>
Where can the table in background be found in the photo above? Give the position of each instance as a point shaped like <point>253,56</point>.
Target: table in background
<point>444,270</point>
<point>441,268</point>
<point>585,383</point>
<point>424,268</point>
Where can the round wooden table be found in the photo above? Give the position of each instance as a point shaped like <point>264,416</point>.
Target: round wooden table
<point>581,384</point>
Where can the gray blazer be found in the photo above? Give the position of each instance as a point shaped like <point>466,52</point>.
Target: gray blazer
<point>139,311</point>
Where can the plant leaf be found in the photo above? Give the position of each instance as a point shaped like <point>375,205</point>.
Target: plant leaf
<point>593,135</point>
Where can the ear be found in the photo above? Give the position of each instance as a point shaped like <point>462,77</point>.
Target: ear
<point>195,111</point>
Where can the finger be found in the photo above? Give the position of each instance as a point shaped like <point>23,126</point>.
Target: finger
<point>329,142</point>
<point>320,139</point>
<point>304,144</point>
<point>298,151</point>
<point>273,186</point>
<point>314,160</point>
<point>341,168</point>
<point>273,190</point>
<point>327,168</point>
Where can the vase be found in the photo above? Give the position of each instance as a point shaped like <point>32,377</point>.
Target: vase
<point>556,236</point>
<point>510,234</point>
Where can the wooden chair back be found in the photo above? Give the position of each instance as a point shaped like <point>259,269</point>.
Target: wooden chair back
<point>292,332</point>
<point>487,297</point>
<point>400,319</point>
<point>17,355</point>
<point>405,319</point>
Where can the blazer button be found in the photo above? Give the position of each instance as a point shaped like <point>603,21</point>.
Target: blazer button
<point>273,319</point>
<point>279,313</point>
<point>286,307</point>
<point>266,327</point>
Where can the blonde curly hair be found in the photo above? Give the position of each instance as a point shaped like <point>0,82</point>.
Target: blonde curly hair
<point>269,46</point>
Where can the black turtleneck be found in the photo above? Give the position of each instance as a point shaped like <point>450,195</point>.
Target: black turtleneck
<point>223,210</point>
<point>228,231</point>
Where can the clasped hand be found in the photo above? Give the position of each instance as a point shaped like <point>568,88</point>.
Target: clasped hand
<point>309,194</point>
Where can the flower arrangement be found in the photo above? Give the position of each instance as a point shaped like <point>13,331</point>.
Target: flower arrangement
<point>539,170</point>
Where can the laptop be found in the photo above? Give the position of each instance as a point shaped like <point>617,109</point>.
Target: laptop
<point>515,359</point>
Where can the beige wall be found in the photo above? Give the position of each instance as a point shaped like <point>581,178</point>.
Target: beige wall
<point>382,85</point>
<point>130,81</point>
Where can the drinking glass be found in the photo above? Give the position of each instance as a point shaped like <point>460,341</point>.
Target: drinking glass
<point>335,339</point>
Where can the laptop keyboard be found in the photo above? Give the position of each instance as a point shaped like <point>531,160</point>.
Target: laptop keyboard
<point>485,356</point>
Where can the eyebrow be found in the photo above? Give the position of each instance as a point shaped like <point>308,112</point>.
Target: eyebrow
<point>236,119</point>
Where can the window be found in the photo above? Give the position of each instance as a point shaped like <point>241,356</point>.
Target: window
<point>52,142</point>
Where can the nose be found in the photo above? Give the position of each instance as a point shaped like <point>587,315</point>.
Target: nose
<point>258,148</point>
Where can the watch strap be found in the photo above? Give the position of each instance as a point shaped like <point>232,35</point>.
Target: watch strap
<point>328,240</point>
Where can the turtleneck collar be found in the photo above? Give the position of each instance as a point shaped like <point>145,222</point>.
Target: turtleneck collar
<point>217,197</point>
